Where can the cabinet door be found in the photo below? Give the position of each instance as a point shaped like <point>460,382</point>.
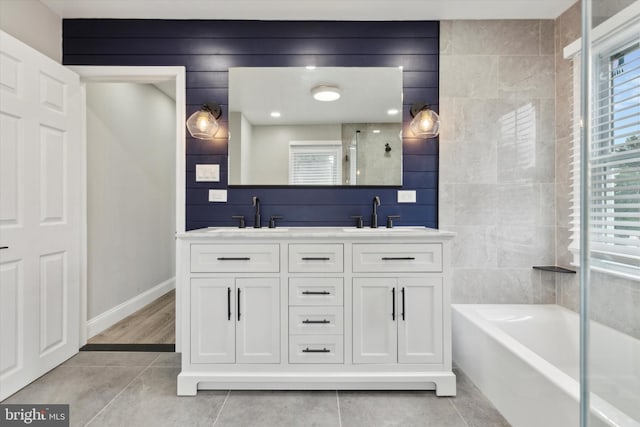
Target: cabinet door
<point>258,320</point>
<point>212,321</point>
<point>420,320</point>
<point>374,321</point>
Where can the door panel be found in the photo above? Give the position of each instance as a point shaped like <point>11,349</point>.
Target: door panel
<point>258,320</point>
<point>40,209</point>
<point>52,175</point>
<point>420,322</point>
<point>374,329</point>
<point>53,297</point>
<point>212,320</point>
<point>10,162</point>
<point>11,316</point>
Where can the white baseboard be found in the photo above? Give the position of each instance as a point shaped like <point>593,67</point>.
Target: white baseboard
<point>119,312</point>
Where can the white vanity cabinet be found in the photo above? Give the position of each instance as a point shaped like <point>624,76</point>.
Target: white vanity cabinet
<point>235,320</point>
<point>397,320</point>
<point>315,308</point>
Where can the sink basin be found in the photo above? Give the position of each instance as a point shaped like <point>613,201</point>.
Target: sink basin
<point>245,230</point>
<point>383,229</point>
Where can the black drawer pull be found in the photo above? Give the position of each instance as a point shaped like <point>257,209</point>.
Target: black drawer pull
<point>316,350</point>
<point>398,258</point>
<point>228,303</point>
<point>316,293</point>
<point>4,247</point>
<point>318,258</point>
<point>244,258</point>
<point>238,304</point>
<point>323,321</point>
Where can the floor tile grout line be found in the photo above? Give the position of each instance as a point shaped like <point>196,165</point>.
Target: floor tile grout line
<point>455,408</point>
<point>221,408</point>
<point>119,393</point>
<point>339,415</point>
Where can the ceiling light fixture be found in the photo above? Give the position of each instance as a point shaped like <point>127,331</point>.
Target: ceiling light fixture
<point>392,112</point>
<point>326,93</point>
<point>275,114</point>
<point>426,122</point>
<point>203,124</point>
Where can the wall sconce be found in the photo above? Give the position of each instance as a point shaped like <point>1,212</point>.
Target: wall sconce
<point>203,124</point>
<point>426,122</point>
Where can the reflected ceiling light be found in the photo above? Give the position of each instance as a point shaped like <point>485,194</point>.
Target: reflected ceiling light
<point>392,112</point>
<point>426,122</point>
<point>310,67</point>
<point>275,114</point>
<point>326,93</point>
<point>203,124</point>
<point>376,131</point>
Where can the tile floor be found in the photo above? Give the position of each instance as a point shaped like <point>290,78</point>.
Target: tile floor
<point>139,389</point>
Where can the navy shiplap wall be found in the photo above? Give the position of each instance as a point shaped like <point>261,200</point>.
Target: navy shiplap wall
<point>208,48</point>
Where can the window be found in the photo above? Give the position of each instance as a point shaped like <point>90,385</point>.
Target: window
<point>615,163</point>
<point>315,163</point>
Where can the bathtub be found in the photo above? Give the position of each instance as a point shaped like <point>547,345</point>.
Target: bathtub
<point>524,358</point>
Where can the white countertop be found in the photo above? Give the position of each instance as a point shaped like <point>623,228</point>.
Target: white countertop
<point>315,232</point>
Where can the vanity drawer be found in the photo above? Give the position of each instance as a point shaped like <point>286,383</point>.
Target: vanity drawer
<point>321,258</point>
<point>315,320</point>
<point>400,258</point>
<point>315,291</point>
<point>207,258</point>
<point>316,349</point>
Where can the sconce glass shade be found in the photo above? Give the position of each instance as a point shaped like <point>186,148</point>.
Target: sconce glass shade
<point>203,124</point>
<point>425,123</point>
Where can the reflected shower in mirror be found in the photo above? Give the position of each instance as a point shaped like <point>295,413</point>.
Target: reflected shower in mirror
<point>280,135</point>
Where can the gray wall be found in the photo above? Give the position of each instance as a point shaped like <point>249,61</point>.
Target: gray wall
<point>270,149</point>
<point>614,301</point>
<point>130,192</point>
<point>504,176</point>
<point>33,23</point>
<point>497,157</point>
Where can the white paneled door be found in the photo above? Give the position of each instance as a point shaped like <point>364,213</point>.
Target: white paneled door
<point>40,214</point>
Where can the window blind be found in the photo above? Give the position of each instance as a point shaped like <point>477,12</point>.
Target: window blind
<point>614,204</point>
<point>315,165</point>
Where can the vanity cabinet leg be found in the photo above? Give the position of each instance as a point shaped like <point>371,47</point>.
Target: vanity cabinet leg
<point>187,386</point>
<point>446,386</point>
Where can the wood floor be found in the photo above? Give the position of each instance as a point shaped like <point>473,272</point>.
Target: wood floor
<point>154,323</point>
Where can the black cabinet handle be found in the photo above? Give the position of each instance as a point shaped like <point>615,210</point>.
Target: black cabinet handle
<point>228,303</point>
<point>323,321</point>
<point>4,247</point>
<point>398,258</point>
<point>238,304</point>
<point>316,350</point>
<point>316,293</point>
<point>245,258</point>
<point>316,258</point>
<point>393,304</point>
<point>403,303</point>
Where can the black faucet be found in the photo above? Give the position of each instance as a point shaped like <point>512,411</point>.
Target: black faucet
<point>256,218</point>
<point>374,215</point>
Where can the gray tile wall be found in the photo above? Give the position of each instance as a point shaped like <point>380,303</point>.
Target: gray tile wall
<point>497,158</point>
<point>614,301</point>
<point>505,105</point>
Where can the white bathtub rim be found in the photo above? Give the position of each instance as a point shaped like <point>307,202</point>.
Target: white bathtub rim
<point>600,407</point>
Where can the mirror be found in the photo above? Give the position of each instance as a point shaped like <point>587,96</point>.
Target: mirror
<point>280,135</point>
